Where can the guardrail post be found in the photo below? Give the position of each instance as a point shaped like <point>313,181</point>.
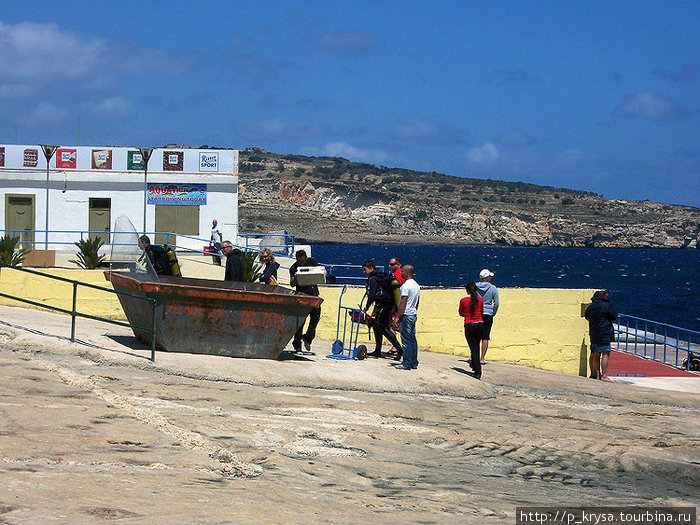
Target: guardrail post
<point>73,312</point>
<point>153,333</point>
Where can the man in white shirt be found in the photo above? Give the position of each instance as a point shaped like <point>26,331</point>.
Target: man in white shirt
<point>408,315</point>
<point>216,239</point>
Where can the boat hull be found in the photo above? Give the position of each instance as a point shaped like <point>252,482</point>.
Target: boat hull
<point>205,316</point>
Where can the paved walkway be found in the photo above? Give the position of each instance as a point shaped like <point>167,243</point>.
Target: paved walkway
<point>92,432</point>
<point>636,370</point>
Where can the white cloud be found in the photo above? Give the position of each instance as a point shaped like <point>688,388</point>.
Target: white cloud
<point>488,152</point>
<point>113,107</point>
<point>273,125</point>
<point>650,105</point>
<point>41,54</point>
<point>348,151</point>
<point>31,51</point>
<point>45,113</point>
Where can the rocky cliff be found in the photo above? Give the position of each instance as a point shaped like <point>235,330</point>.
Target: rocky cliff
<point>334,200</point>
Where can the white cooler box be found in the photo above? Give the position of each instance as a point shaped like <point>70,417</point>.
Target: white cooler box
<point>307,275</point>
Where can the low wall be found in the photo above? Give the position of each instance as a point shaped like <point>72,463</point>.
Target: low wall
<point>535,327</point>
<point>59,294</point>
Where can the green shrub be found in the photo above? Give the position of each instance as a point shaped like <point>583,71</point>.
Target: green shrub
<point>88,256</point>
<point>11,252</point>
<point>252,270</point>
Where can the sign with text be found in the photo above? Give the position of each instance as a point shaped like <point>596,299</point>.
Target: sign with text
<point>31,157</point>
<point>208,161</point>
<point>134,161</point>
<point>66,158</point>
<point>102,159</point>
<point>188,194</point>
<point>173,160</point>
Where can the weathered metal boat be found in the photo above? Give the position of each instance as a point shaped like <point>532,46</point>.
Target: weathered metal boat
<point>206,316</point>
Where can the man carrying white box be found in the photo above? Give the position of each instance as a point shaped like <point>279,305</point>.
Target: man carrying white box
<point>309,289</point>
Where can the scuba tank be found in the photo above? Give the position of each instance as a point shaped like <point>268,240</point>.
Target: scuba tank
<point>172,259</point>
<point>396,291</point>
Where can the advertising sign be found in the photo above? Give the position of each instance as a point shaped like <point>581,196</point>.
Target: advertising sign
<point>102,159</point>
<point>2,157</point>
<point>172,160</point>
<point>208,161</point>
<point>66,158</point>
<point>188,194</point>
<point>31,157</point>
<point>134,161</point>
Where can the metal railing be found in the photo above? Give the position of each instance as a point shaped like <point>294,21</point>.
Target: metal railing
<point>73,312</point>
<point>660,342</point>
<point>346,273</point>
<point>286,248</point>
<point>70,237</point>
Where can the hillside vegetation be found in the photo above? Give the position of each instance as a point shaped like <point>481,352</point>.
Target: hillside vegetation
<point>332,199</point>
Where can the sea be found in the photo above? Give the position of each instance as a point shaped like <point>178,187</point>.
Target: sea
<point>661,285</point>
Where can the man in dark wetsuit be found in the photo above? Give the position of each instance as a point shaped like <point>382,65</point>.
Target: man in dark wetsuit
<point>311,289</point>
<point>380,295</point>
<point>156,255</point>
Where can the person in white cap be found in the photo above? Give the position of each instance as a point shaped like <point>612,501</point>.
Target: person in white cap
<point>490,295</point>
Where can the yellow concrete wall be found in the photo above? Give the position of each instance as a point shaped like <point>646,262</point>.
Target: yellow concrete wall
<point>536,327</point>
<point>540,328</point>
<point>60,294</point>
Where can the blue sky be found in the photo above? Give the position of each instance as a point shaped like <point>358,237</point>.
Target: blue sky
<point>597,95</point>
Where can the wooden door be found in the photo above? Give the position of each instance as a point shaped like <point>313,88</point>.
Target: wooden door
<point>19,215</point>
<point>99,220</point>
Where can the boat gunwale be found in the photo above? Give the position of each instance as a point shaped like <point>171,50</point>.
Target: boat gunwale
<point>203,292</point>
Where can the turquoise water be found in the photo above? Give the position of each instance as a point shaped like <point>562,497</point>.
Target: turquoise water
<point>661,285</point>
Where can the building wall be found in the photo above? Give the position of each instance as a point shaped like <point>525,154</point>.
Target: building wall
<point>539,328</point>
<point>71,189</point>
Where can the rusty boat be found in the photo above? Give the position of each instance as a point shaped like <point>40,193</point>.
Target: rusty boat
<point>205,316</point>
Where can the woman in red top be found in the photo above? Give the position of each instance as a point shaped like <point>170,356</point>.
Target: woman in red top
<point>472,308</point>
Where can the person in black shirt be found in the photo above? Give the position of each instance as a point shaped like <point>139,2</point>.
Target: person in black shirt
<point>270,266</point>
<point>600,315</point>
<point>315,315</point>
<point>234,262</point>
<point>380,294</point>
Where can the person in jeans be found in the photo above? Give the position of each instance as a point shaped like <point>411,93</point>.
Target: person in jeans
<point>600,315</point>
<point>408,315</point>
<point>472,309</point>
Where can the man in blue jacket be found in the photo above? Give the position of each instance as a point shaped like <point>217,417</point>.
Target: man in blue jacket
<point>600,315</point>
<point>490,295</point>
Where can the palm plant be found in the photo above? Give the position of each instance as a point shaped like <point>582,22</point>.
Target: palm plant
<point>252,269</point>
<point>88,256</point>
<point>10,251</point>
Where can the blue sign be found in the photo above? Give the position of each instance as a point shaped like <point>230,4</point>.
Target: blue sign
<point>188,194</point>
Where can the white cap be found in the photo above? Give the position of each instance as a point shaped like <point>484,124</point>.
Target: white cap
<point>483,274</point>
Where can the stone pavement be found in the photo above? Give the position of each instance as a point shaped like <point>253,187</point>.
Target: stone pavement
<point>92,432</point>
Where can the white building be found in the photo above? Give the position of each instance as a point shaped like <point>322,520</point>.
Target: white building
<point>89,187</point>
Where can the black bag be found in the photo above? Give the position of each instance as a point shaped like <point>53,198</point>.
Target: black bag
<point>386,291</point>
<point>159,259</point>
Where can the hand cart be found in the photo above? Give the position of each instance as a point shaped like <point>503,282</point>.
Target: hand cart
<point>352,319</point>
